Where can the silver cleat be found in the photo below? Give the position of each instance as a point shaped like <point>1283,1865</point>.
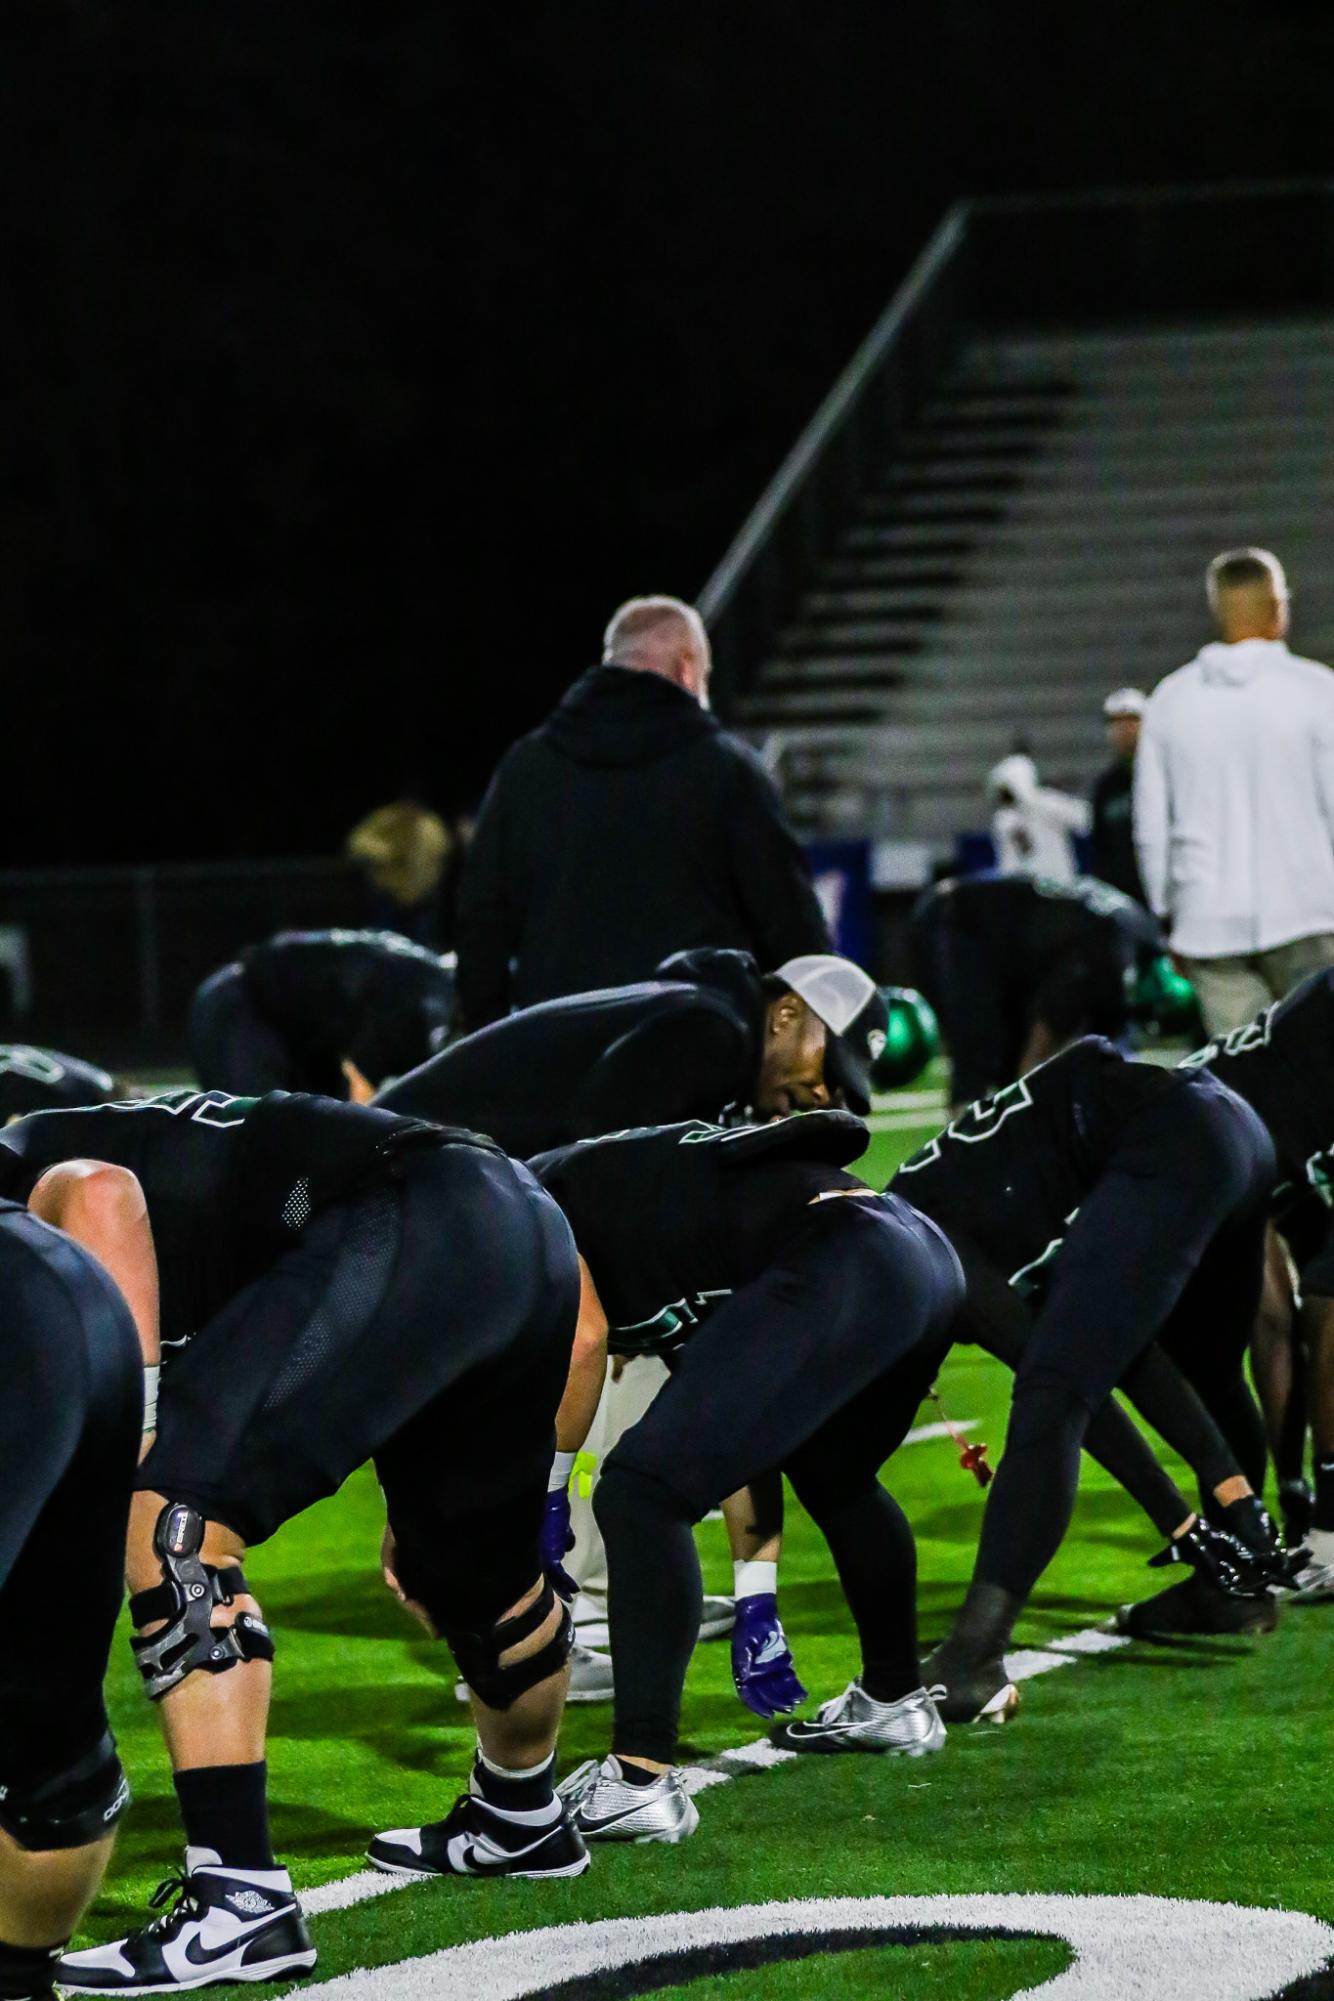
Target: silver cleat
<point>606,1807</point>
<point>853,1721</point>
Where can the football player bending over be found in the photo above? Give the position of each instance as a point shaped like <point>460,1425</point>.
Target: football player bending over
<point>70,1423</point>
<point>363,1286</point>
<point>782,1312</point>
<point>1135,1198</point>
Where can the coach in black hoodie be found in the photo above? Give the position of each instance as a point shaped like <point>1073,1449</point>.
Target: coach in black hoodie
<point>630,825</point>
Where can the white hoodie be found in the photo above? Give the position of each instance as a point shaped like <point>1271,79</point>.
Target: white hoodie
<point>1234,800</point>
<point>1032,835</point>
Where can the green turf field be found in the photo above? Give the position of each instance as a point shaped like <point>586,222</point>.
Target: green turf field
<point>1195,1771</point>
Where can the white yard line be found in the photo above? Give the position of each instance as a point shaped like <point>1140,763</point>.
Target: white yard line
<point>925,1432</point>
<point>906,1122</point>
<point>740,1762</point>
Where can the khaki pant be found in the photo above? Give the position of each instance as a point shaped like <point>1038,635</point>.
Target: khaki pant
<point>623,1404</point>
<point>1233,991</point>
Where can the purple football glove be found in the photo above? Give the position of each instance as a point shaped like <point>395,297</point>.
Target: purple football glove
<point>762,1666</point>
<point>557,1541</point>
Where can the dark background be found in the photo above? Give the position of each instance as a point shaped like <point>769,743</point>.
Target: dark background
<point>361,358</point>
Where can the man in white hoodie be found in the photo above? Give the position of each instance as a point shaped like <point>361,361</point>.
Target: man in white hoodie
<point>1234,800</point>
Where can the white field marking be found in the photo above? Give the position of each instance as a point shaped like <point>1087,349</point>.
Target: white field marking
<point>908,1101</point>
<point>1154,1948</point>
<point>741,1760</point>
<point>925,1431</point>
<point>902,1122</point>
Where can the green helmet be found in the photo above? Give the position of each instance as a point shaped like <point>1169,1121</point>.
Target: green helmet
<point>912,1038</point>
<point>1166,998</point>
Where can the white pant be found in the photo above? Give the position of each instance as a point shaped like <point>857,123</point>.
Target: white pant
<point>623,1403</point>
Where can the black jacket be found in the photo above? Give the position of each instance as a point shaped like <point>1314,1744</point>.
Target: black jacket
<point>1114,831</point>
<point>684,1045</point>
<point>630,825</point>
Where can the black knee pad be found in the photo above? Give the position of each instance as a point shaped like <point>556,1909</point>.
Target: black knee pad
<point>478,1653</point>
<point>186,1599</point>
<point>78,1806</point>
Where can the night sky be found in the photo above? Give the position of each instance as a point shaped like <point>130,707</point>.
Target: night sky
<point>362,358</point>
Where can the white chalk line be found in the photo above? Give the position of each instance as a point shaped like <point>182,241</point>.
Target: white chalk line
<point>739,1762</point>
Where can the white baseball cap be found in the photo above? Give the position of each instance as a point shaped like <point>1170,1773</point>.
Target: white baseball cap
<point>853,1010</point>
<point>1124,702</point>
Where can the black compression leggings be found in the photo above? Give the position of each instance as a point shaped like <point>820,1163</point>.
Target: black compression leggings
<point>1173,1227</point>
<point>772,1379</point>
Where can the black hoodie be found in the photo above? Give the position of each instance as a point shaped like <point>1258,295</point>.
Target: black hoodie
<point>683,1045</point>
<point>630,825</point>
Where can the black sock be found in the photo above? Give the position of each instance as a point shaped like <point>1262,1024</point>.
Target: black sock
<point>27,1969</point>
<point>524,1794</point>
<point>225,1808</point>
<point>1323,1515</point>
<point>873,1550</point>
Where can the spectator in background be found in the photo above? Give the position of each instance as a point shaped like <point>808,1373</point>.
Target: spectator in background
<point>1234,800</point>
<point>1031,824</point>
<point>630,825</point>
<point>403,849</point>
<point>1113,806</point>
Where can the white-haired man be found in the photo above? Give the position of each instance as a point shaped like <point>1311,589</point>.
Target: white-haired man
<point>628,826</point>
<point>1234,800</point>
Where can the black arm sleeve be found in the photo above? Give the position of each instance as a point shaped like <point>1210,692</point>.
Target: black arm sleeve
<point>688,1064</point>
<point>769,870</point>
<point>487,915</point>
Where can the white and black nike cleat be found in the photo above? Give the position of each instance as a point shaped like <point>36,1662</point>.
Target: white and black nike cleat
<point>222,1925</point>
<point>606,1807</point>
<point>475,1840</point>
<point>1314,1582</point>
<point>854,1721</point>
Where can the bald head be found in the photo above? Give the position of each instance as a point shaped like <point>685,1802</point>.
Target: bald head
<point>660,635</point>
<point>1248,595</point>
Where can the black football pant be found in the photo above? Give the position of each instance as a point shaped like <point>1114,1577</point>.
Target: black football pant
<point>235,1047</point>
<point>71,1412</point>
<point>798,1372</point>
<point>426,1323</point>
<point>1168,1244</point>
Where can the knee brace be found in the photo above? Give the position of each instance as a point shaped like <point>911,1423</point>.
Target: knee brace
<point>478,1653</point>
<point>77,1807</point>
<point>186,1599</point>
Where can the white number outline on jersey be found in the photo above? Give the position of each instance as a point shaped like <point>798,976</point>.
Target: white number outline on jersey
<point>1175,1949</point>
<point>193,1105</point>
<point>20,1059</point>
<point>1251,1035</point>
<point>992,1111</point>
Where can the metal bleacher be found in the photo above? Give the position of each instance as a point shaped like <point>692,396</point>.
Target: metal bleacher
<point>1025,530</point>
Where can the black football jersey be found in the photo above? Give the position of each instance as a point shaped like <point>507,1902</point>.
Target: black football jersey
<point>1011,1171</point>
<point>370,995</point>
<point>672,1219</point>
<point>229,1182</point>
<point>1032,920</point>
<point>1282,1063</point>
<point>42,1080</point>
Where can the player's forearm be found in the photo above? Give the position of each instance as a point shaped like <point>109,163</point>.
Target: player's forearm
<point>754,1518</point>
<point>588,1369</point>
<point>102,1207</point>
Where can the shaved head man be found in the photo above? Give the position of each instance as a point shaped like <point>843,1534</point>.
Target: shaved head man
<point>661,635</point>
<point>627,827</point>
<point>1234,800</point>
<point>1248,595</point>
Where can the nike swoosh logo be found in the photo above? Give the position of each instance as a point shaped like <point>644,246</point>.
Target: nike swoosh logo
<point>587,1826</point>
<point>471,1860</point>
<point>773,1649</point>
<point>202,1955</point>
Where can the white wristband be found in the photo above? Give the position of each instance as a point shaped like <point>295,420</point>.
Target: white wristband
<point>151,1373</point>
<point>756,1580</point>
<point>561,1468</point>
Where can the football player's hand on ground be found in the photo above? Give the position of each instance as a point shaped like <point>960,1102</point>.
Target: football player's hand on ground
<point>557,1542</point>
<point>389,1570</point>
<point>762,1664</point>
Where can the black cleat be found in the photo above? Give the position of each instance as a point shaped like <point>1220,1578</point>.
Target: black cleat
<point>969,1691</point>
<point>222,1925</point>
<point>1195,1605</point>
<point>473,1840</point>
